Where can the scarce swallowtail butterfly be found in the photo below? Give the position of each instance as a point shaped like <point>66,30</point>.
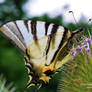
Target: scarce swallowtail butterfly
<point>46,46</point>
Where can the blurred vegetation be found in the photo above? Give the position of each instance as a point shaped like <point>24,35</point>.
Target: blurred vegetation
<point>6,87</point>
<point>11,60</point>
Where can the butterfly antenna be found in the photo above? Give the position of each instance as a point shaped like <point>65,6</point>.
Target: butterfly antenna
<point>89,21</point>
<point>73,16</point>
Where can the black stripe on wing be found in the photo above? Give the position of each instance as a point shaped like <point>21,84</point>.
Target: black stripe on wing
<point>46,27</point>
<point>61,43</point>
<point>33,29</point>
<point>54,30</point>
<point>26,24</point>
<point>18,29</point>
<point>51,37</point>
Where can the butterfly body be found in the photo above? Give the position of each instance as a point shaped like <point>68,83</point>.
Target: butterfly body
<point>46,46</point>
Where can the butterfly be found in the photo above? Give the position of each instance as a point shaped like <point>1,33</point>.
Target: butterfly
<point>46,46</point>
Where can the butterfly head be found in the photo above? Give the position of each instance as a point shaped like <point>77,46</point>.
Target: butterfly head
<point>77,35</point>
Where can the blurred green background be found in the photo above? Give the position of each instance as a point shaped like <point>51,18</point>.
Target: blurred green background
<point>11,60</point>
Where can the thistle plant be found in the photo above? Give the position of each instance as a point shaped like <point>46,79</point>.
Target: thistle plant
<point>4,87</point>
<point>77,74</point>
